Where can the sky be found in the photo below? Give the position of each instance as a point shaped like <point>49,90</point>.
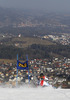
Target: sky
<point>28,93</point>
<point>51,5</point>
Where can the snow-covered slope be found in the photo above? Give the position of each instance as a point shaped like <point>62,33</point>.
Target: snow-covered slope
<point>28,93</point>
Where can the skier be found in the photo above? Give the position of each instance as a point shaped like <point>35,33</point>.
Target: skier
<point>43,80</point>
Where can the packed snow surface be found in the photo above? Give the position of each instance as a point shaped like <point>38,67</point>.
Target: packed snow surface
<point>34,93</point>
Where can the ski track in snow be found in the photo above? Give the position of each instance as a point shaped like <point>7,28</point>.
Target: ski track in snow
<point>30,93</point>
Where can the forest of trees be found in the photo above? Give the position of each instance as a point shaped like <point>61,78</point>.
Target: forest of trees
<point>30,31</point>
<point>35,51</point>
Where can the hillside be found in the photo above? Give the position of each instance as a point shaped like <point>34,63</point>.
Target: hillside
<point>23,42</point>
<point>35,47</point>
<point>29,23</point>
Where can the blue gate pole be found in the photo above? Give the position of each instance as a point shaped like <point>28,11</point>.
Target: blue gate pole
<point>17,72</point>
<point>28,69</point>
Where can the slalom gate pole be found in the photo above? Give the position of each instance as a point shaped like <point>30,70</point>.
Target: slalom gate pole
<point>28,69</point>
<point>17,73</point>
